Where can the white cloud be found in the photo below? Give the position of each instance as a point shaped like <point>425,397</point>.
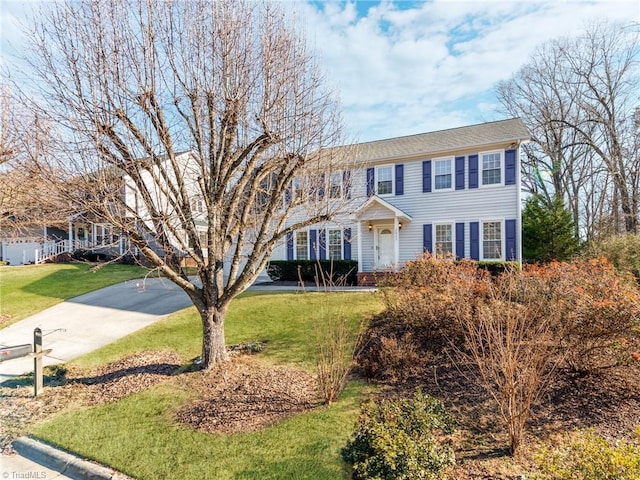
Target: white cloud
<point>411,67</point>
<point>434,65</point>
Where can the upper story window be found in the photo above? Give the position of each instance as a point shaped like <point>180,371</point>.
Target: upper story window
<point>444,240</point>
<point>492,240</point>
<point>302,245</point>
<point>491,164</point>
<point>335,244</point>
<point>335,185</point>
<point>384,180</point>
<point>442,179</point>
<point>197,204</point>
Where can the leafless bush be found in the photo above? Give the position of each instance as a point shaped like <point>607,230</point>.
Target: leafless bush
<point>336,344</point>
<point>512,341</point>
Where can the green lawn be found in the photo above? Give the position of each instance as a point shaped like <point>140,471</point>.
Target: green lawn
<point>25,290</point>
<point>139,436</point>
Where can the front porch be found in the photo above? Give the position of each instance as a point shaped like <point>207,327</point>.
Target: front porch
<point>379,234</point>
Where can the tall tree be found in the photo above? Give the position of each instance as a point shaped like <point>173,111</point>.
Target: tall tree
<point>578,97</point>
<point>133,85</point>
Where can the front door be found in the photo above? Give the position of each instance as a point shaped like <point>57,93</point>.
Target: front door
<point>385,247</point>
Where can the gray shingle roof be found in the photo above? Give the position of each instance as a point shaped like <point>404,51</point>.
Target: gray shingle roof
<point>460,138</point>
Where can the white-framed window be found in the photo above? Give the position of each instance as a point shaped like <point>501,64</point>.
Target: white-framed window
<point>334,245</point>
<point>335,185</point>
<point>197,204</point>
<point>302,245</point>
<point>492,240</point>
<point>384,180</point>
<point>443,176</point>
<point>491,168</point>
<point>297,192</point>
<point>443,240</point>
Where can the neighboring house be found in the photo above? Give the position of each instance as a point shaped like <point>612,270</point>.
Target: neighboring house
<point>451,192</point>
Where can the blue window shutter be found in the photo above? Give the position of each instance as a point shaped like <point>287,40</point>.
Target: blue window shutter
<point>346,243</point>
<point>426,176</point>
<point>473,171</point>
<point>322,245</point>
<point>427,240</point>
<point>459,240</point>
<point>290,246</point>
<point>321,187</point>
<point>511,246</point>
<point>400,179</point>
<point>288,194</point>
<point>313,244</point>
<point>459,173</point>
<point>474,238</point>
<point>346,184</point>
<point>510,167</point>
<point>370,180</point>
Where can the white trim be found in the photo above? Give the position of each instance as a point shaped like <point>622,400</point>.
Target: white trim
<point>502,238</point>
<point>359,228</point>
<point>451,161</point>
<point>480,169</point>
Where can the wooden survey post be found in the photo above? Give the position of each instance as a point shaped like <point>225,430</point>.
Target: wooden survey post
<point>38,383</point>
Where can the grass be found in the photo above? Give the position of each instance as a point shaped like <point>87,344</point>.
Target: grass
<point>139,436</point>
<point>25,290</point>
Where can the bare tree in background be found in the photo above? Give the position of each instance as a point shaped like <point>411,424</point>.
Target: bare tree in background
<point>578,97</point>
<point>133,85</point>
<point>26,201</point>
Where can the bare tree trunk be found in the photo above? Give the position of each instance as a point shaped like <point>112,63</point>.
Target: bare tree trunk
<point>213,343</point>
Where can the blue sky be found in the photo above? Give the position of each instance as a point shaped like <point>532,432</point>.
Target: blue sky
<point>405,67</point>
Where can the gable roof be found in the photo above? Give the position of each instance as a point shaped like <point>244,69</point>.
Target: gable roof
<point>484,134</point>
<point>376,200</point>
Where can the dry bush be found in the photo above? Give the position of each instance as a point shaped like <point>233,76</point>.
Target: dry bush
<point>430,296</point>
<point>336,344</point>
<point>600,309</point>
<point>511,341</point>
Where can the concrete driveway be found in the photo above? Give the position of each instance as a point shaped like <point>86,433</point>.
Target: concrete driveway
<point>82,324</point>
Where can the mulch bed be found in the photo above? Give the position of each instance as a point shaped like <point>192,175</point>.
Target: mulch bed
<point>243,396</point>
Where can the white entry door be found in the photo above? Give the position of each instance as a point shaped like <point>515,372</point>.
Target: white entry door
<point>385,247</point>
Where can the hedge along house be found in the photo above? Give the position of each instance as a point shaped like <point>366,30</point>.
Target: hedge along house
<point>451,192</point>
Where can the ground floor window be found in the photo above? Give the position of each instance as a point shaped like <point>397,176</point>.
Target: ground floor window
<point>444,240</point>
<point>335,245</point>
<point>302,245</point>
<point>491,240</point>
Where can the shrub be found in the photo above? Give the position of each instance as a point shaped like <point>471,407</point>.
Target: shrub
<point>511,341</point>
<point>338,271</point>
<point>336,343</point>
<point>600,309</point>
<point>590,457</point>
<point>396,440</point>
<point>621,250</point>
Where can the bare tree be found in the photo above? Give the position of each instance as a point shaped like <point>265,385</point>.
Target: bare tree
<point>26,202</point>
<point>578,98</point>
<point>203,129</point>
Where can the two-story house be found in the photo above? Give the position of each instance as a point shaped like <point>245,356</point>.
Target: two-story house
<point>454,191</point>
